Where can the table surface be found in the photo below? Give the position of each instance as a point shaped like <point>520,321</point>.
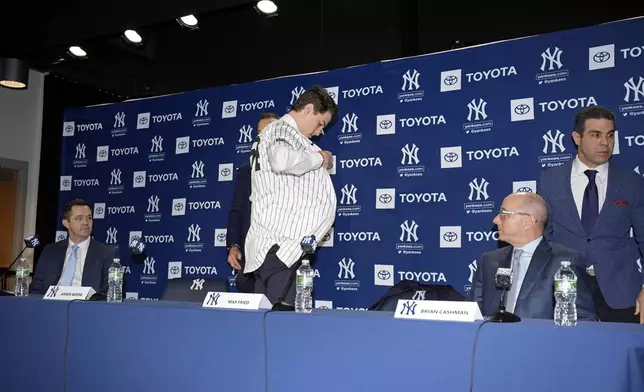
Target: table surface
<point>166,346</point>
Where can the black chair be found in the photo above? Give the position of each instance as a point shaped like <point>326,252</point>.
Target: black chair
<point>409,289</point>
<point>192,289</point>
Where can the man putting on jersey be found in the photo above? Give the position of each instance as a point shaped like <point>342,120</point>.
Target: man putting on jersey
<point>292,194</point>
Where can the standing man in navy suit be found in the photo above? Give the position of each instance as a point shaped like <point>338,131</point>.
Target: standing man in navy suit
<point>239,218</point>
<point>79,260</point>
<point>593,205</point>
<point>533,260</point>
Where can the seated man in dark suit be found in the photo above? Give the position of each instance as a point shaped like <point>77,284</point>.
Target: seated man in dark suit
<point>79,260</point>
<point>534,262</point>
<point>239,218</point>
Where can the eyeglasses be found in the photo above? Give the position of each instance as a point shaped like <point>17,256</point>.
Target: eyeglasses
<point>503,212</point>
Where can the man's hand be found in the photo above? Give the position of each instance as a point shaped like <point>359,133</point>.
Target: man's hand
<point>234,255</point>
<point>328,159</point>
<point>639,306</point>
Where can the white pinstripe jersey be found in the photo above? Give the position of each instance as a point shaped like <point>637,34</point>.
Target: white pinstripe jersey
<point>292,195</point>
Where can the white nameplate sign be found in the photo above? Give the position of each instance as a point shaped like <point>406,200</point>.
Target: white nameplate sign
<point>438,310</point>
<point>68,293</point>
<point>227,300</point>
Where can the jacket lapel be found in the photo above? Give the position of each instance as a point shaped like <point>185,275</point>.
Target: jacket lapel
<point>612,194</point>
<point>538,263</point>
<point>61,254</point>
<point>90,259</point>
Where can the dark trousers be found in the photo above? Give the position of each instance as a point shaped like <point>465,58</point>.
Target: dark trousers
<point>608,314</point>
<point>275,280</point>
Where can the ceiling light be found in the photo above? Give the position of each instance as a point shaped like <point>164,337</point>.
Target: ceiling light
<point>14,73</point>
<point>77,51</point>
<point>132,36</point>
<point>266,7</point>
<point>189,21</point>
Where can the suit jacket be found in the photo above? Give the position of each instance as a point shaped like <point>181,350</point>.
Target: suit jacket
<point>50,266</point>
<point>609,247</point>
<point>239,215</point>
<point>536,297</point>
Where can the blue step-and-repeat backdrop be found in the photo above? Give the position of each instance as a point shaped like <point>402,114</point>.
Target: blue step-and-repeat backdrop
<point>426,148</point>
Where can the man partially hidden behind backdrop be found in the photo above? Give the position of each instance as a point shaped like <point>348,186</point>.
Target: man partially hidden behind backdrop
<point>292,193</point>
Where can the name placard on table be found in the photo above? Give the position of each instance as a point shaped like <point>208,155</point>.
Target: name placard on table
<point>69,293</point>
<point>438,310</point>
<point>231,300</point>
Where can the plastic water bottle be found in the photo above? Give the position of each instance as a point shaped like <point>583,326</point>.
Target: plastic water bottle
<point>566,296</point>
<point>22,278</point>
<point>304,288</point>
<point>115,282</point>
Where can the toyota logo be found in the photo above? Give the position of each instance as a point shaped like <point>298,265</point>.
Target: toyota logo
<point>524,189</point>
<point>451,157</point>
<point>175,270</point>
<point>522,109</point>
<point>229,109</point>
<point>178,207</point>
<point>450,236</point>
<point>99,210</point>
<point>385,124</point>
<point>221,237</point>
<point>139,179</point>
<point>69,128</point>
<point>331,94</point>
<point>143,120</point>
<point>183,145</point>
<point>450,80</point>
<point>66,182</point>
<point>601,57</point>
<point>385,198</point>
<point>384,275</point>
<point>225,172</point>
<point>326,237</point>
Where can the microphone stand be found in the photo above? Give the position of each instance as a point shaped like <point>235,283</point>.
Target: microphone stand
<point>501,315</point>
<point>4,273</point>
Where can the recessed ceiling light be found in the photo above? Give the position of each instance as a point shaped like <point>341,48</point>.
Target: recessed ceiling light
<point>132,36</point>
<point>266,6</point>
<point>189,21</point>
<point>77,51</point>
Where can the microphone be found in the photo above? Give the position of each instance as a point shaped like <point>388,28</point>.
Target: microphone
<point>137,246</point>
<point>31,241</point>
<point>503,281</point>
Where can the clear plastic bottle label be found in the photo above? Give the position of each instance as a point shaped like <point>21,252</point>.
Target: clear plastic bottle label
<point>566,286</point>
<point>116,274</point>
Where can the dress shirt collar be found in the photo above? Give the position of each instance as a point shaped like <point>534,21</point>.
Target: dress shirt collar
<point>83,245</point>
<point>578,168</point>
<point>529,248</point>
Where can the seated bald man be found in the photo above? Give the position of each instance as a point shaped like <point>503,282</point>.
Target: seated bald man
<point>534,262</point>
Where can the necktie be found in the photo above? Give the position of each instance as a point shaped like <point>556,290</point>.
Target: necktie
<point>514,289</point>
<point>70,268</point>
<point>590,206</point>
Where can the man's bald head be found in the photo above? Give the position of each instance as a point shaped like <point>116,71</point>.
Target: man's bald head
<point>522,218</point>
<point>534,205</point>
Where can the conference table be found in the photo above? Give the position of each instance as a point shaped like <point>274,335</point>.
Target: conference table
<point>81,346</point>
